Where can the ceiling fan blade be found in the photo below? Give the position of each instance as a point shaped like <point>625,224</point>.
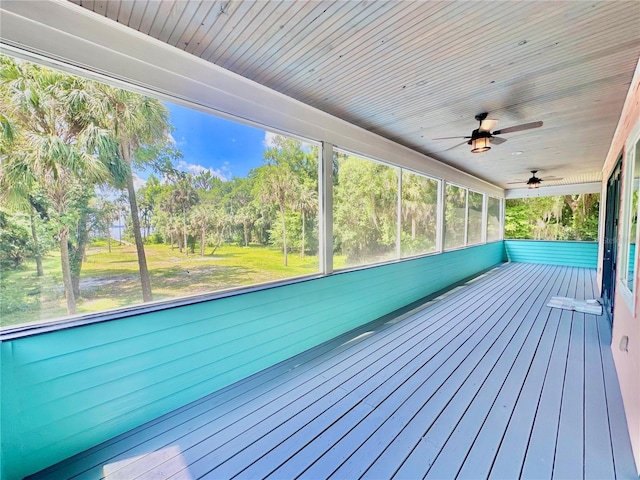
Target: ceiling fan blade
<point>498,140</point>
<point>518,128</point>
<point>487,125</point>
<point>515,183</point>
<point>552,179</point>
<point>449,138</point>
<point>456,146</point>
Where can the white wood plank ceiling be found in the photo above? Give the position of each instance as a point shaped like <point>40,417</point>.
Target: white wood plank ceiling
<point>415,71</point>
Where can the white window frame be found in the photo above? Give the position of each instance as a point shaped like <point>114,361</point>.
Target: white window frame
<point>466,216</point>
<point>438,247</point>
<point>279,123</point>
<point>633,142</point>
<point>482,219</point>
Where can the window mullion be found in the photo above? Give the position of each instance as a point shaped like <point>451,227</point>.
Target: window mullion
<point>399,216</point>
<point>325,200</point>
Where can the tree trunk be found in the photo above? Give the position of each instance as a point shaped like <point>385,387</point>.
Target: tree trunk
<point>184,231</point>
<point>109,239</point>
<point>145,281</point>
<point>303,226</point>
<point>78,254</point>
<point>245,226</point>
<point>36,243</point>
<point>202,236</point>
<point>63,238</point>
<point>284,234</point>
<point>413,228</point>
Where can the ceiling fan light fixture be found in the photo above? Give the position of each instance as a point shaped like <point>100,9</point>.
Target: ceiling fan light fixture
<point>479,145</point>
<point>534,182</point>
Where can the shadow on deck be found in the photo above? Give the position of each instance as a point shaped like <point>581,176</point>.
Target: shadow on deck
<point>485,381</point>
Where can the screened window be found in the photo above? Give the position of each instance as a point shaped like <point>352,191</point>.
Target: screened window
<point>474,217</point>
<point>455,218</point>
<point>493,219</point>
<point>144,200</point>
<point>365,211</point>
<point>419,214</point>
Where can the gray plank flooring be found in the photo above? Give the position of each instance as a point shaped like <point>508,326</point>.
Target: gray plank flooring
<point>484,381</point>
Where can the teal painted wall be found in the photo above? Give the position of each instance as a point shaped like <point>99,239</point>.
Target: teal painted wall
<point>573,254</point>
<point>65,391</point>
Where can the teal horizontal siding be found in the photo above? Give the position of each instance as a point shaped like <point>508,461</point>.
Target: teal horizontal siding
<point>65,391</point>
<point>570,254</point>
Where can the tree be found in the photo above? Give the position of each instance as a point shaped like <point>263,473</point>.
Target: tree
<point>242,205</point>
<point>185,196</point>
<point>306,202</point>
<point>568,217</point>
<point>202,219</point>
<point>289,170</point>
<point>454,212</point>
<point>21,195</point>
<point>276,183</point>
<point>61,150</point>
<point>14,241</point>
<point>136,123</point>
<point>106,214</point>
<point>365,209</point>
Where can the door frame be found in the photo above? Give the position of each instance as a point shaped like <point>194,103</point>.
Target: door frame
<point>610,240</point>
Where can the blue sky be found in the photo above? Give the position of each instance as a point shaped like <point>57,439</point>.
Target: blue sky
<point>229,149</point>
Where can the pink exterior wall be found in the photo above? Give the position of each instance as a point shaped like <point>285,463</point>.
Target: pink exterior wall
<point>624,322</point>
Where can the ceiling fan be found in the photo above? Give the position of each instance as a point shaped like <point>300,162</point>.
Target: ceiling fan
<point>534,181</point>
<point>482,137</point>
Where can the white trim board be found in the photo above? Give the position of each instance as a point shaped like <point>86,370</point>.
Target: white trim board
<point>64,32</point>
<point>592,187</point>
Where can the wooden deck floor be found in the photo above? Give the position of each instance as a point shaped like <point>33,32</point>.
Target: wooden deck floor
<point>486,382</point>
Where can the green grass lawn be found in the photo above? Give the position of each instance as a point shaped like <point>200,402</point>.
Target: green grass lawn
<point>111,279</point>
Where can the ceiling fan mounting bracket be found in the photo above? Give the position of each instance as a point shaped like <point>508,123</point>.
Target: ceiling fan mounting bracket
<point>481,116</point>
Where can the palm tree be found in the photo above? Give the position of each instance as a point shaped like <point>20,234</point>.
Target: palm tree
<point>184,197</point>
<point>202,219</point>
<point>60,148</point>
<point>136,122</point>
<point>19,194</point>
<point>243,217</point>
<point>277,186</point>
<point>306,203</point>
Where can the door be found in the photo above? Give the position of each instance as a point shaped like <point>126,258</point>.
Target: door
<point>610,256</point>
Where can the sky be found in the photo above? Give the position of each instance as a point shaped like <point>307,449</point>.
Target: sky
<point>228,149</point>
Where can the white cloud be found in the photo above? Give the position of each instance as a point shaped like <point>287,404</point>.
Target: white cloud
<point>269,138</point>
<point>222,174</point>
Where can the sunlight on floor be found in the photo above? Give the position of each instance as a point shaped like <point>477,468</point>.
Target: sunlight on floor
<point>125,468</point>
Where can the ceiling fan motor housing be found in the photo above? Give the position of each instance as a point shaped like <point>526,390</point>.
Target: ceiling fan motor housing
<point>476,134</point>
